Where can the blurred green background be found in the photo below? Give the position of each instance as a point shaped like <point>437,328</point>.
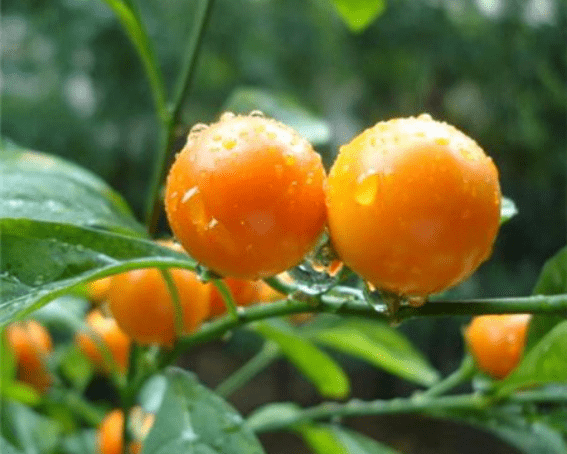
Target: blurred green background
<point>72,85</point>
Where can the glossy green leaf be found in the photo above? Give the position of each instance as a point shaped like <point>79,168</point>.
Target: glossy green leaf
<point>40,261</point>
<point>326,439</point>
<point>359,14</point>
<point>382,346</point>
<point>317,366</point>
<point>507,210</point>
<point>272,413</point>
<point>552,281</point>
<point>283,108</point>
<point>193,419</point>
<point>544,363</point>
<point>42,187</point>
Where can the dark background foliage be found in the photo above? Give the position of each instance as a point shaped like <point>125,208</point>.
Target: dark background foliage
<point>72,85</point>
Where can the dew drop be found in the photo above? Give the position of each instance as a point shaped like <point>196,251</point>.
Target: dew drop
<point>425,116</point>
<point>229,144</point>
<point>212,223</point>
<point>173,195</point>
<point>365,191</point>
<point>199,127</point>
<point>257,113</point>
<point>227,116</point>
<point>190,193</point>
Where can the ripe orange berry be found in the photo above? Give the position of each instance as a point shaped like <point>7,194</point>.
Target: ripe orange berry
<point>31,344</point>
<point>110,438</point>
<point>110,333</point>
<point>243,291</point>
<point>413,205</point>
<point>245,196</point>
<point>98,289</point>
<point>497,342</point>
<point>144,309</point>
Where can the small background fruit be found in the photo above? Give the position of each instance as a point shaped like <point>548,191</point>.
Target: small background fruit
<point>413,205</point>
<point>31,344</point>
<point>245,196</point>
<point>110,333</point>
<point>143,308</point>
<point>497,342</point>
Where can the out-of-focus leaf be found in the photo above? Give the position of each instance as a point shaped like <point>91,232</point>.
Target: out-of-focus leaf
<point>325,439</point>
<point>544,363</point>
<point>272,413</point>
<point>283,108</point>
<point>20,392</point>
<point>382,346</point>
<point>83,442</point>
<point>192,418</point>
<point>77,368</point>
<point>40,261</point>
<point>152,392</point>
<point>507,210</point>
<point>33,432</point>
<point>47,188</point>
<point>317,366</point>
<point>7,448</point>
<point>359,14</point>
<point>552,281</point>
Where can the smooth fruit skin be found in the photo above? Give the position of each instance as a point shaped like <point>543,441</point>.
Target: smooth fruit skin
<point>413,205</point>
<point>245,196</point>
<point>110,433</point>
<point>31,344</point>
<point>497,342</point>
<point>98,290</point>
<point>110,333</point>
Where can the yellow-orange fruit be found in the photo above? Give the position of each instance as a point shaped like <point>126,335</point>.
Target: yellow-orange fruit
<point>497,342</point>
<point>110,433</point>
<point>116,340</point>
<point>98,289</point>
<point>244,292</point>
<point>245,196</point>
<point>144,309</point>
<point>31,344</point>
<point>413,205</point>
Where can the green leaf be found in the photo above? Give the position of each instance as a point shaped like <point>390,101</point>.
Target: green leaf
<point>193,419</point>
<point>7,448</point>
<point>544,363</point>
<point>359,14</point>
<point>325,439</point>
<point>20,392</point>
<point>552,281</point>
<point>507,210</point>
<point>76,368</point>
<point>46,188</point>
<point>283,108</point>
<point>382,346</point>
<point>40,261</point>
<point>31,431</point>
<point>317,366</point>
<point>83,442</point>
<point>272,413</point>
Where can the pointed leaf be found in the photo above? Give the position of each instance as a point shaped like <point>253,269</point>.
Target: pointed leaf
<point>544,363</point>
<point>47,188</point>
<point>382,346</point>
<point>193,419</point>
<point>40,261</point>
<point>359,14</point>
<point>317,366</point>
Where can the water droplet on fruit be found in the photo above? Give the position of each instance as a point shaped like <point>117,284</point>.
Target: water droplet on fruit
<point>199,127</point>
<point>212,223</point>
<point>229,144</point>
<point>289,159</point>
<point>190,193</point>
<point>227,116</point>
<point>257,113</point>
<point>425,116</point>
<point>365,191</point>
<point>173,195</point>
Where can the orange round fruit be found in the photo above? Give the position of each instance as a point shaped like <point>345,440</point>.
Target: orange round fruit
<point>244,292</point>
<point>110,433</point>
<point>497,342</point>
<point>97,290</point>
<point>116,340</point>
<point>413,205</point>
<point>144,309</point>
<point>245,196</point>
<point>31,344</point>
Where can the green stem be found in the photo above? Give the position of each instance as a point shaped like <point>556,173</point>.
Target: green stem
<point>353,408</point>
<point>227,297</point>
<point>465,371</point>
<point>256,364</point>
<point>280,286</point>
<point>167,135</point>
<point>177,309</point>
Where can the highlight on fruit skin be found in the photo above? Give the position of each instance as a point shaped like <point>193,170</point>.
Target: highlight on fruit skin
<point>31,344</point>
<point>413,205</point>
<point>245,196</point>
<point>117,342</point>
<point>144,309</point>
<point>497,342</point>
